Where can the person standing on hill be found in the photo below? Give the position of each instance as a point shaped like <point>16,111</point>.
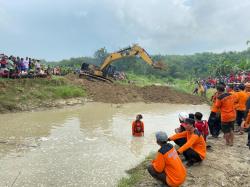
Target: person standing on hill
<point>241,107</point>
<point>138,126</point>
<point>167,166</point>
<point>225,102</point>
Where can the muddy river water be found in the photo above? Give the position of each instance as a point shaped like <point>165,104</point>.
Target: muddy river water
<point>89,145</point>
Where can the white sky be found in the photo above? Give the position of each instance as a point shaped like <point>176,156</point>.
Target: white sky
<point>58,29</point>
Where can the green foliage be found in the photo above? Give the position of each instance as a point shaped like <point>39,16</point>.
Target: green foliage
<point>187,67</point>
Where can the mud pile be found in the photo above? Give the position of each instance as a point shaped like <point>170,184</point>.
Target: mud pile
<point>118,93</point>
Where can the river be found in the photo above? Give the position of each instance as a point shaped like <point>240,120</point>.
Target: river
<point>89,145</point>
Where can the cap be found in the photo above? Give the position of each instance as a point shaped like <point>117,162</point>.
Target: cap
<point>182,116</point>
<point>189,121</point>
<point>161,136</point>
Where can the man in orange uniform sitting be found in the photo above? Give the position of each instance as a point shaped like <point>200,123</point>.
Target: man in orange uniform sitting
<point>138,126</point>
<point>194,150</point>
<point>167,166</point>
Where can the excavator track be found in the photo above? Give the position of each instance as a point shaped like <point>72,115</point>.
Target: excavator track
<point>85,74</point>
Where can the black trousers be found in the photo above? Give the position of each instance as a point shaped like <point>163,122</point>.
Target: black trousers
<point>159,176</point>
<point>214,124</point>
<point>239,117</point>
<point>180,142</point>
<point>191,155</point>
<point>248,137</point>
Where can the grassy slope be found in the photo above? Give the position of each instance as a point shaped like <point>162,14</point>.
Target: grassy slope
<point>136,174</point>
<point>14,93</point>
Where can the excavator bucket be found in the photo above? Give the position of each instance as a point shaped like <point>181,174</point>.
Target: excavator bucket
<point>159,65</point>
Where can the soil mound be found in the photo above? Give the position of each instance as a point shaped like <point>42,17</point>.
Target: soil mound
<point>117,93</point>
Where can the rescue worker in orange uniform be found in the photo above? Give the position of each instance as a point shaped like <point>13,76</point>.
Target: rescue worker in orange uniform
<point>194,150</point>
<point>241,107</point>
<point>138,126</point>
<point>246,122</point>
<point>214,118</point>
<point>167,166</point>
<point>226,103</point>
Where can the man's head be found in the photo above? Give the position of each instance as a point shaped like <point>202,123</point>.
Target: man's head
<point>198,116</point>
<point>161,137</point>
<point>189,124</point>
<point>191,115</point>
<point>220,88</point>
<point>242,87</point>
<point>138,117</point>
<point>247,87</point>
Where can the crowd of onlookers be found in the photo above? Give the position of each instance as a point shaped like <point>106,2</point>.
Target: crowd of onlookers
<point>18,67</point>
<point>239,77</point>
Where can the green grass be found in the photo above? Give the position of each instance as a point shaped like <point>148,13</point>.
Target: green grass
<point>136,174</point>
<point>14,93</point>
<point>143,80</point>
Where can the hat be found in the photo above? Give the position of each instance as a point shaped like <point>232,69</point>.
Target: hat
<point>182,116</point>
<point>161,136</point>
<point>189,121</point>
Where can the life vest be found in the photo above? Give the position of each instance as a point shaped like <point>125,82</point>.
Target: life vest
<point>138,127</point>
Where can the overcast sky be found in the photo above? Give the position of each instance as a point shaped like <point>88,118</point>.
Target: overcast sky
<point>59,29</point>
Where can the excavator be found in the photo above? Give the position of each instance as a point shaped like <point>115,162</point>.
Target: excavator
<point>100,73</point>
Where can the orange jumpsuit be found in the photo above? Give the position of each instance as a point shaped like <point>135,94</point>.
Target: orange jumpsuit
<point>168,161</point>
<point>137,128</point>
<point>195,141</point>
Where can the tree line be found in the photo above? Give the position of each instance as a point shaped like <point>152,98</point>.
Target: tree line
<point>199,65</point>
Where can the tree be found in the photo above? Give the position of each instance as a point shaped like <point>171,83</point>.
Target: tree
<point>100,55</point>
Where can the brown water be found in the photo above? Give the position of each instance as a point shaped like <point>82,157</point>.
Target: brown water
<point>89,145</point>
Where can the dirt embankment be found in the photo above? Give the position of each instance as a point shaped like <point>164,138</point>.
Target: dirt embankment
<point>40,94</point>
<point>119,93</point>
<point>224,166</point>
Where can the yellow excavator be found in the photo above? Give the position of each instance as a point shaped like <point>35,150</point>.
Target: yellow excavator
<point>99,73</point>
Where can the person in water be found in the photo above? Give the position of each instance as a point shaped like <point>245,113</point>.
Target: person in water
<point>167,166</point>
<point>194,150</point>
<point>138,126</point>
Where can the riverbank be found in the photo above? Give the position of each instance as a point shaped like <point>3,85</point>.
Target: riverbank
<point>34,94</point>
<point>224,166</point>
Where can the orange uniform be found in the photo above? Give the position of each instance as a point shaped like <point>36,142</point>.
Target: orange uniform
<point>195,141</point>
<point>213,107</point>
<point>138,128</point>
<point>242,99</point>
<point>236,98</point>
<point>168,160</point>
<point>226,103</point>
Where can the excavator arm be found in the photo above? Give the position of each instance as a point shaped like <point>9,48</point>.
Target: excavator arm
<point>135,50</point>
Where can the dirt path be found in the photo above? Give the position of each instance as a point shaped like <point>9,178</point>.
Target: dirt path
<point>224,166</point>
<point>117,93</point>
